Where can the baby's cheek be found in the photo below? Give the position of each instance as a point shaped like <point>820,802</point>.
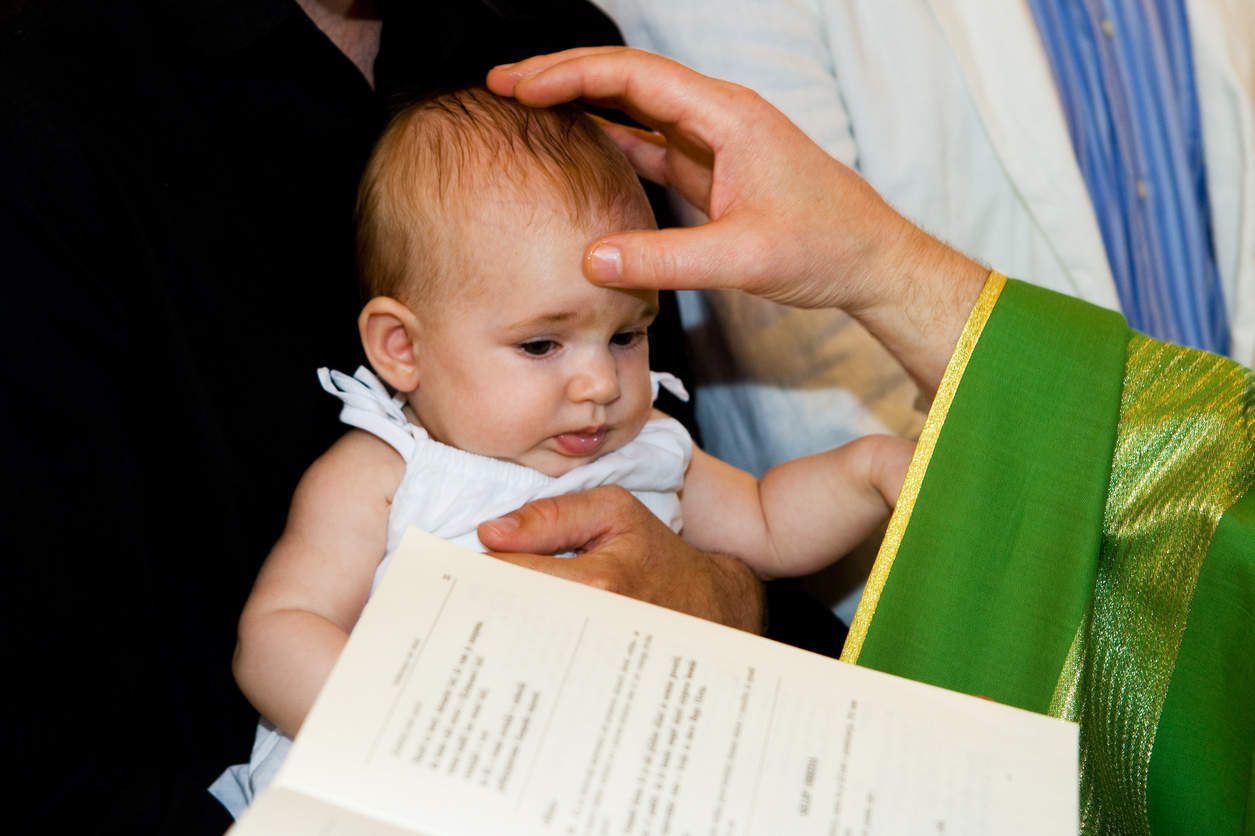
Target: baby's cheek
<point>642,407</point>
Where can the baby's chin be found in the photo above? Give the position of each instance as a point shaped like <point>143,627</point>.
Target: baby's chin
<point>556,466</point>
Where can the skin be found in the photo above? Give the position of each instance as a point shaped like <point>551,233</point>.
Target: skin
<point>353,26</point>
<point>787,222</point>
<point>531,364</point>
<point>525,361</point>
<point>712,586</point>
<point>620,537</point>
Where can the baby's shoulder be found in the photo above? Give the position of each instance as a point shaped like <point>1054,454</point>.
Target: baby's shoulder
<point>359,460</point>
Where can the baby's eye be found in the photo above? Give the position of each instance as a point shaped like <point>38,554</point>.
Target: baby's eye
<point>538,348</point>
<point>625,339</point>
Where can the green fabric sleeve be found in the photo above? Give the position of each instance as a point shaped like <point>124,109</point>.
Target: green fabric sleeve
<point>1000,553</point>
<point>1201,777</point>
<point>1083,544</point>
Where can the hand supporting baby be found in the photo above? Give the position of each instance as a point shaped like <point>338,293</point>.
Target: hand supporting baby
<point>626,549</point>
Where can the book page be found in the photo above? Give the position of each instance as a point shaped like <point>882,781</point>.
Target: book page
<point>281,810</point>
<point>475,696</point>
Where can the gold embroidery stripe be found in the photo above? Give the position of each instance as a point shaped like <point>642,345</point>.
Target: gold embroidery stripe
<point>1184,452</point>
<point>919,465</point>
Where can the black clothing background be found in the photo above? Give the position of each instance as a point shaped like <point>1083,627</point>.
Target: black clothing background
<point>176,191</point>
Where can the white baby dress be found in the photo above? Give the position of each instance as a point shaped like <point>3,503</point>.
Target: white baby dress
<point>449,492</point>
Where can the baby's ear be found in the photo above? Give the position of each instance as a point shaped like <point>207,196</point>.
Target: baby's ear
<point>389,332</point>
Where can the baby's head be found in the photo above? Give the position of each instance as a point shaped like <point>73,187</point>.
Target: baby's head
<point>473,217</point>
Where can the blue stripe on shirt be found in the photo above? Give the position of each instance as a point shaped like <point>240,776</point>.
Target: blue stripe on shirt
<point>1125,74</point>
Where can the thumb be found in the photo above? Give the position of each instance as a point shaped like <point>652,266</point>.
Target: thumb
<point>710,255</point>
<point>548,526</point>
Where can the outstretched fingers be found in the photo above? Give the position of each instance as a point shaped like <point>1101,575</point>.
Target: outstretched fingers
<point>503,78</point>
<point>653,90</point>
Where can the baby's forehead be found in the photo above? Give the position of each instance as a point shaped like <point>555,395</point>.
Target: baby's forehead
<point>521,256</point>
<point>491,223</point>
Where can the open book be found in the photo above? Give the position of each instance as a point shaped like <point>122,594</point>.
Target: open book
<point>477,697</point>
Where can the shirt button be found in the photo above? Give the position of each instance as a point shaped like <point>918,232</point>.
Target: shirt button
<point>1143,189</point>
<point>1108,28</point>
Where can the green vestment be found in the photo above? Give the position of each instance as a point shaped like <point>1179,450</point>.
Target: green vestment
<point>1076,537</point>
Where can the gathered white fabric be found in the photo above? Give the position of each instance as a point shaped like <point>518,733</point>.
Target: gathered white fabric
<point>448,492</point>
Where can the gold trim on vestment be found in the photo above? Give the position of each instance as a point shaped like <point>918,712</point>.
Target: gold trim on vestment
<point>919,464</point>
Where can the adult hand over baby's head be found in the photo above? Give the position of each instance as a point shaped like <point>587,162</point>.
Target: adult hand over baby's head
<point>787,221</point>
<point>745,186</point>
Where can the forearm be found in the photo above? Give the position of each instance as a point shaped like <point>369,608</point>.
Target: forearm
<point>282,660</point>
<point>817,509</point>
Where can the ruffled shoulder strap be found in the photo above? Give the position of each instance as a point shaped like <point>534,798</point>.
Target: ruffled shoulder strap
<point>369,407</point>
<point>669,382</point>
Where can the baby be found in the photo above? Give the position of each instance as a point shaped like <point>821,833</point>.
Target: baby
<point>514,379</point>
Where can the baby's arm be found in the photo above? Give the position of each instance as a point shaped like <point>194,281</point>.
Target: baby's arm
<point>804,514</point>
<point>313,585</point>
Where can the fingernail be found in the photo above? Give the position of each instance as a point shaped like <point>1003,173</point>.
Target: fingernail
<point>502,525</point>
<point>505,66</point>
<point>605,264</point>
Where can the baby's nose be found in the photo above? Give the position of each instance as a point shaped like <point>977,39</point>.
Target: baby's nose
<point>597,382</point>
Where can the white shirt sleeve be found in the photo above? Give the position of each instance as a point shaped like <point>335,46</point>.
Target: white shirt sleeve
<point>776,47</point>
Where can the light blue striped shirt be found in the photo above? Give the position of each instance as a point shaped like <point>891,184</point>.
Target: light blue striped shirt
<point>1125,75</point>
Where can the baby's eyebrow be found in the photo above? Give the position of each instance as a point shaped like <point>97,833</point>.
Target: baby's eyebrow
<point>648,311</point>
<point>542,321</point>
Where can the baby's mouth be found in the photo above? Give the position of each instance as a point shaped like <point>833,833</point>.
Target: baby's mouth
<point>583,442</point>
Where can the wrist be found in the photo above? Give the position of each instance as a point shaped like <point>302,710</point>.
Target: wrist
<point>742,591</point>
<point>926,291</point>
